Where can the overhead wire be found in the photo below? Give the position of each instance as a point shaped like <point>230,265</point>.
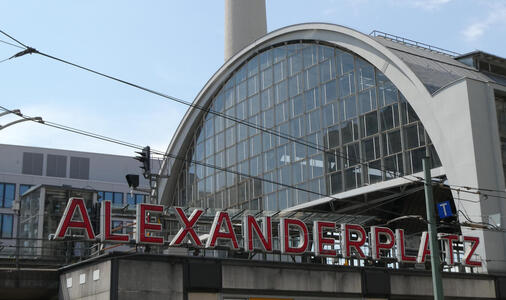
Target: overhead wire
<point>220,114</point>
<point>7,43</point>
<point>30,50</point>
<point>138,147</point>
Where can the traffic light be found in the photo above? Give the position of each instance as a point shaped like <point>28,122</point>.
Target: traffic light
<point>132,180</point>
<point>145,158</point>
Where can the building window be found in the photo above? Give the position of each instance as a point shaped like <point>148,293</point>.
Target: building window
<point>117,227</point>
<point>6,225</point>
<point>115,197</point>
<point>56,165</point>
<point>135,199</point>
<point>23,188</point>
<point>32,163</point>
<point>7,192</point>
<point>79,167</point>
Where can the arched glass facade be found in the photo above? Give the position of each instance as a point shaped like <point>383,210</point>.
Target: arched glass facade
<point>324,97</point>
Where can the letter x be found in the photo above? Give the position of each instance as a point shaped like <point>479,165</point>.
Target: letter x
<point>187,227</point>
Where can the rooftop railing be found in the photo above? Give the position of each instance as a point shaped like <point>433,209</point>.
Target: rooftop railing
<point>413,43</point>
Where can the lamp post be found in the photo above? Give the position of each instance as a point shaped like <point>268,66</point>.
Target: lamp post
<point>16,207</point>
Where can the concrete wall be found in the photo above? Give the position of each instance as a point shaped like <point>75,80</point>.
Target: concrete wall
<point>92,281</point>
<point>149,277</point>
<point>149,280</point>
<point>290,279</point>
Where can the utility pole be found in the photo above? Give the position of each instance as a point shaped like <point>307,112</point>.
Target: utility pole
<point>435,261</point>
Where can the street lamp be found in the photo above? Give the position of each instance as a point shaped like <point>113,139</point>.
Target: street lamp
<point>17,112</point>
<point>16,207</point>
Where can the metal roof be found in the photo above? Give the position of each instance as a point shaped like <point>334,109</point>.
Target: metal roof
<point>435,69</point>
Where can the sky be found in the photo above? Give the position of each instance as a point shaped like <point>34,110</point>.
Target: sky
<point>174,47</point>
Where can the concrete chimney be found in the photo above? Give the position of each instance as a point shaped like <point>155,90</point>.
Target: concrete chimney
<point>245,21</point>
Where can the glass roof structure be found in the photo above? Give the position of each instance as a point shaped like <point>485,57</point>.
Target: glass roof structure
<point>341,125</point>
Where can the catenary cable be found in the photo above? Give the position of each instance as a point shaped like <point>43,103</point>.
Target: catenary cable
<point>30,50</point>
<point>315,146</point>
<point>138,147</point>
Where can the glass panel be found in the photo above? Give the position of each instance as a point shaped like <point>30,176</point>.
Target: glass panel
<point>295,64</point>
<point>336,183</point>
<point>312,99</point>
<point>367,100</point>
<point>7,222</point>
<point>252,86</point>
<point>345,62</point>
<point>266,78</point>
<point>253,105</point>
<point>265,59</point>
<point>350,131</point>
<point>387,94</point>
<point>313,121</point>
<point>253,66</point>
<point>346,85</point>
<point>365,74</point>
<point>118,198</point>
<point>295,85</point>
<point>392,142</point>
<point>311,77</point>
<point>298,105</point>
<point>329,92</point>
<point>332,136</point>
<point>310,54</point>
<point>411,134</point>
<point>281,91</point>
<point>280,71</point>
<point>267,98</point>
<point>9,194</point>
<point>369,124</point>
<point>325,52</point>
<point>389,117</point>
<point>282,112</point>
<point>327,70</point>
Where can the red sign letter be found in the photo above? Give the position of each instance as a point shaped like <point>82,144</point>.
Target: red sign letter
<point>105,225</point>
<point>66,220</point>
<point>284,229</point>
<point>143,224</point>
<point>320,241</point>
<point>401,250</point>
<point>423,250</point>
<point>347,243</point>
<point>187,228</point>
<point>216,233</point>
<point>448,244</point>
<point>468,255</point>
<point>377,245</point>
<point>265,235</point>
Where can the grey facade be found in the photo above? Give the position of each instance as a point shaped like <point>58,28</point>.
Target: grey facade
<point>172,277</point>
<point>24,167</point>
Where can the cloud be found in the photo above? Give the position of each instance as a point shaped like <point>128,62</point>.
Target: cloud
<point>430,4</point>
<point>496,16</point>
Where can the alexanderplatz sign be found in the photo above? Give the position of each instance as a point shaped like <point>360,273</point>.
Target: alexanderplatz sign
<point>353,237</point>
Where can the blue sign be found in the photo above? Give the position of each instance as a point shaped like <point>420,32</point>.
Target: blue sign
<point>444,209</point>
